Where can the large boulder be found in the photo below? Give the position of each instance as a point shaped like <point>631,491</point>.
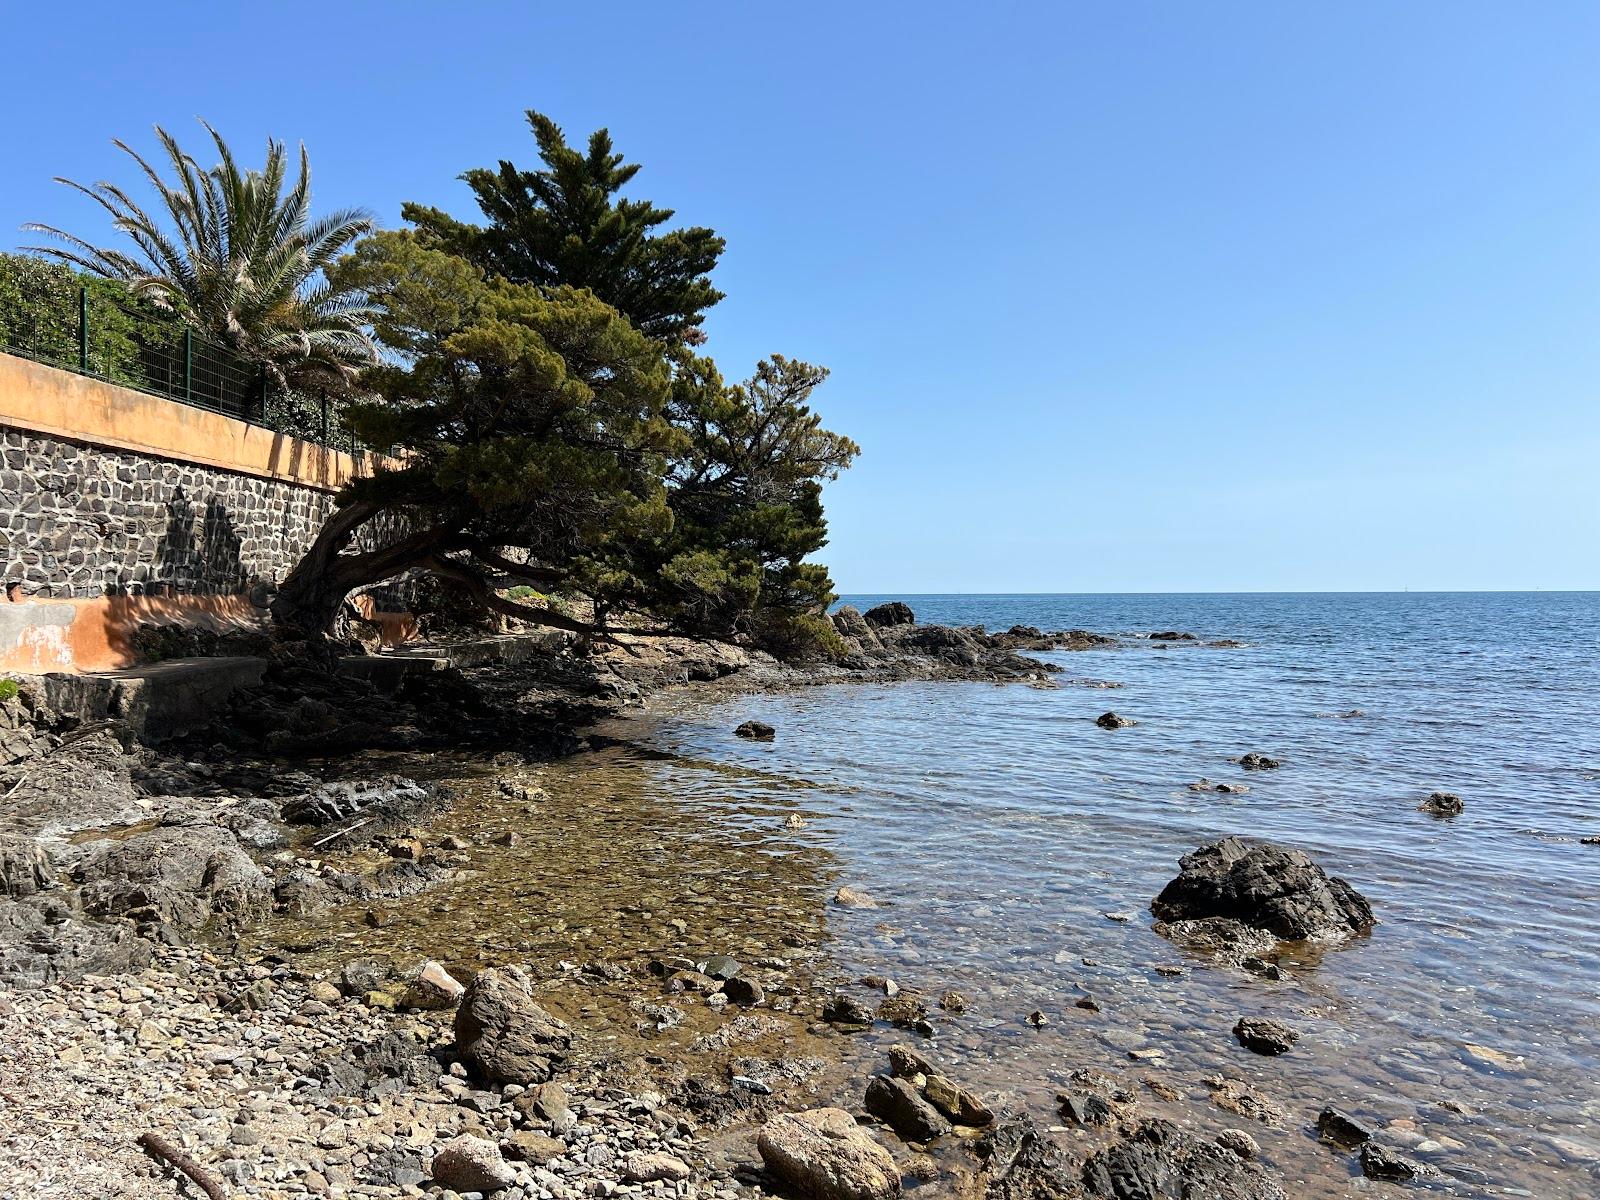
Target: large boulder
<point>503,1035</point>
<point>185,876</point>
<point>1158,1161</point>
<point>849,623</point>
<point>895,612</point>
<point>472,1164</point>
<point>824,1154</point>
<point>42,943</point>
<point>1263,887</point>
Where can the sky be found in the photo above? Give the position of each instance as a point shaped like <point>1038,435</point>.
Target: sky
<point>1117,296</point>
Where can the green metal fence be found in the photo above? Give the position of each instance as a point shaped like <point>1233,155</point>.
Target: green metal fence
<point>135,346</point>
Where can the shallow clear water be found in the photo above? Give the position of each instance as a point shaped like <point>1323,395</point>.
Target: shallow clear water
<point>1000,825</point>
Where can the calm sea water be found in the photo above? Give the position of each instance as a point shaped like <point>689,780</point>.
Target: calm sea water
<point>1000,826</point>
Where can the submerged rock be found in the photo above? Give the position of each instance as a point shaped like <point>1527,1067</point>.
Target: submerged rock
<point>1257,762</point>
<point>1443,804</point>
<point>1111,720</point>
<point>824,1154</point>
<point>1383,1162</point>
<point>1264,1036</point>
<point>896,1103</point>
<point>1159,1160</point>
<point>503,1035</point>
<point>1263,887</point>
<point>756,731</point>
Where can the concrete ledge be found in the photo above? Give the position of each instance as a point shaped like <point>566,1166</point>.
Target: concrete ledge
<point>157,702</point>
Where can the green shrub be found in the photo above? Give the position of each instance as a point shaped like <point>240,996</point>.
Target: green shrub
<point>8,690</point>
<point>39,318</point>
<point>798,637</point>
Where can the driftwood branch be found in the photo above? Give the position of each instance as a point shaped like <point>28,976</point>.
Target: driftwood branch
<point>158,1147</point>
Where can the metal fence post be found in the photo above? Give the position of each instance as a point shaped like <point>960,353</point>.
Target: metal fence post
<point>188,366</point>
<point>83,329</point>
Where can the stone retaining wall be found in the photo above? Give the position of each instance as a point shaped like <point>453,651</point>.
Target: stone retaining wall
<point>79,521</point>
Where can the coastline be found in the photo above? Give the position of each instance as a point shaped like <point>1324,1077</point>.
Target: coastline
<point>591,856</point>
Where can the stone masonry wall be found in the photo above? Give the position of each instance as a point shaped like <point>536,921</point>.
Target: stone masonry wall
<point>80,521</point>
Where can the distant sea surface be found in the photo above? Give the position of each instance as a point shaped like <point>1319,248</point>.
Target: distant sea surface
<point>1000,827</point>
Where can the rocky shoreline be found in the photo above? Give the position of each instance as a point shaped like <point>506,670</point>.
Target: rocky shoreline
<point>142,991</point>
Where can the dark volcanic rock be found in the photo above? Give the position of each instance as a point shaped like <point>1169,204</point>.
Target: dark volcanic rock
<point>846,1010</point>
<point>503,1035</point>
<point>1340,1128</point>
<point>1172,635</point>
<point>1265,887</point>
<point>1111,720</point>
<point>1264,1036</point>
<point>1158,1161</point>
<point>1443,804</point>
<point>896,1103</point>
<point>894,612</point>
<point>1258,762</point>
<point>756,731</point>
<point>1382,1162</point>
<point>1022,1162</point>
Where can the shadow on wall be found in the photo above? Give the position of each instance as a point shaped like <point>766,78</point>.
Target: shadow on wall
<point>201,551</point>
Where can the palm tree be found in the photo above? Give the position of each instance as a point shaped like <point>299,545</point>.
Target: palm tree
<point>241,261</point>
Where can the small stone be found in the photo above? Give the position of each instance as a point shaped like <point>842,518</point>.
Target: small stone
<point>846,1010</point>
<point>756,731</point>
<point>953,1002</point>
<point>1111,720</point>
<point>1037,1019</point>
<point>472,1164</point>
<point>1087,1003</point>
<point>1337,1126</point>
<point>741,989</point>
<point>1381,1162</point>
<point>1239,1142</point>
<point>654,1167</point>
<point>849,897</point>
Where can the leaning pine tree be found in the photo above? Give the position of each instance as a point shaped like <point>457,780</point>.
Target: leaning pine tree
<point>554,429</point>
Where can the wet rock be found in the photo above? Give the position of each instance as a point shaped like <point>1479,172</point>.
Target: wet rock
<point>953,1002</point>
<point>1383,1162</point>
<point>1265,887</point>
<point>1257,762</point>
<point>756,731</point>
<point>1037,1019</point>
<point>849,897</point>
<point>902,1010</point>
<point>1021,1162</point>
<point>1159,1160</point>
<point>472,1164</point>
<point>503,1035</point>
<point>720,966</point>
<point>692,981</point>
<point>1084,1109</point>
<point>303,893</point>
<point>1265,1036</point>
<point>1339,1127</point>
<point>846,1010</point>
<point>1237,1141</point>
<point>1110,720</point>
<point>1443,804</point>
<point>1231,1095</point>
<point>908,1063</point>
<point>824,1154</point>
<point>743,990</point>
<point>893,613</point>
<point>1224,789</point>
<point>896,1103</point>
<point>1172,635</point>
<point>960,1104</point>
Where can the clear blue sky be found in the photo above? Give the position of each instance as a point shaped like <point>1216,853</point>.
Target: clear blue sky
<point>1117,295</point>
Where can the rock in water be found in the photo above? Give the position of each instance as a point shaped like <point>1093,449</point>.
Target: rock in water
<point>1258,762</point>
<point>1381,1162</point>
<point>1264,887</point>
<point>756,731</point>
<point>503,1035</point>
<point>960,1104</point>
<point>1111,720</point>
<point>1341,1128</point>
<point>472,1164</point>
<point>896,1103</point>
<point>1158,1160</point>
<point>893,613</point>
<point>826,1155</point>
<point>1443,804</point>
<point>1264,1036</point>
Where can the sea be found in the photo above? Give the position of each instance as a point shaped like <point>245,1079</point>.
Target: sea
<point>1013,848</point>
